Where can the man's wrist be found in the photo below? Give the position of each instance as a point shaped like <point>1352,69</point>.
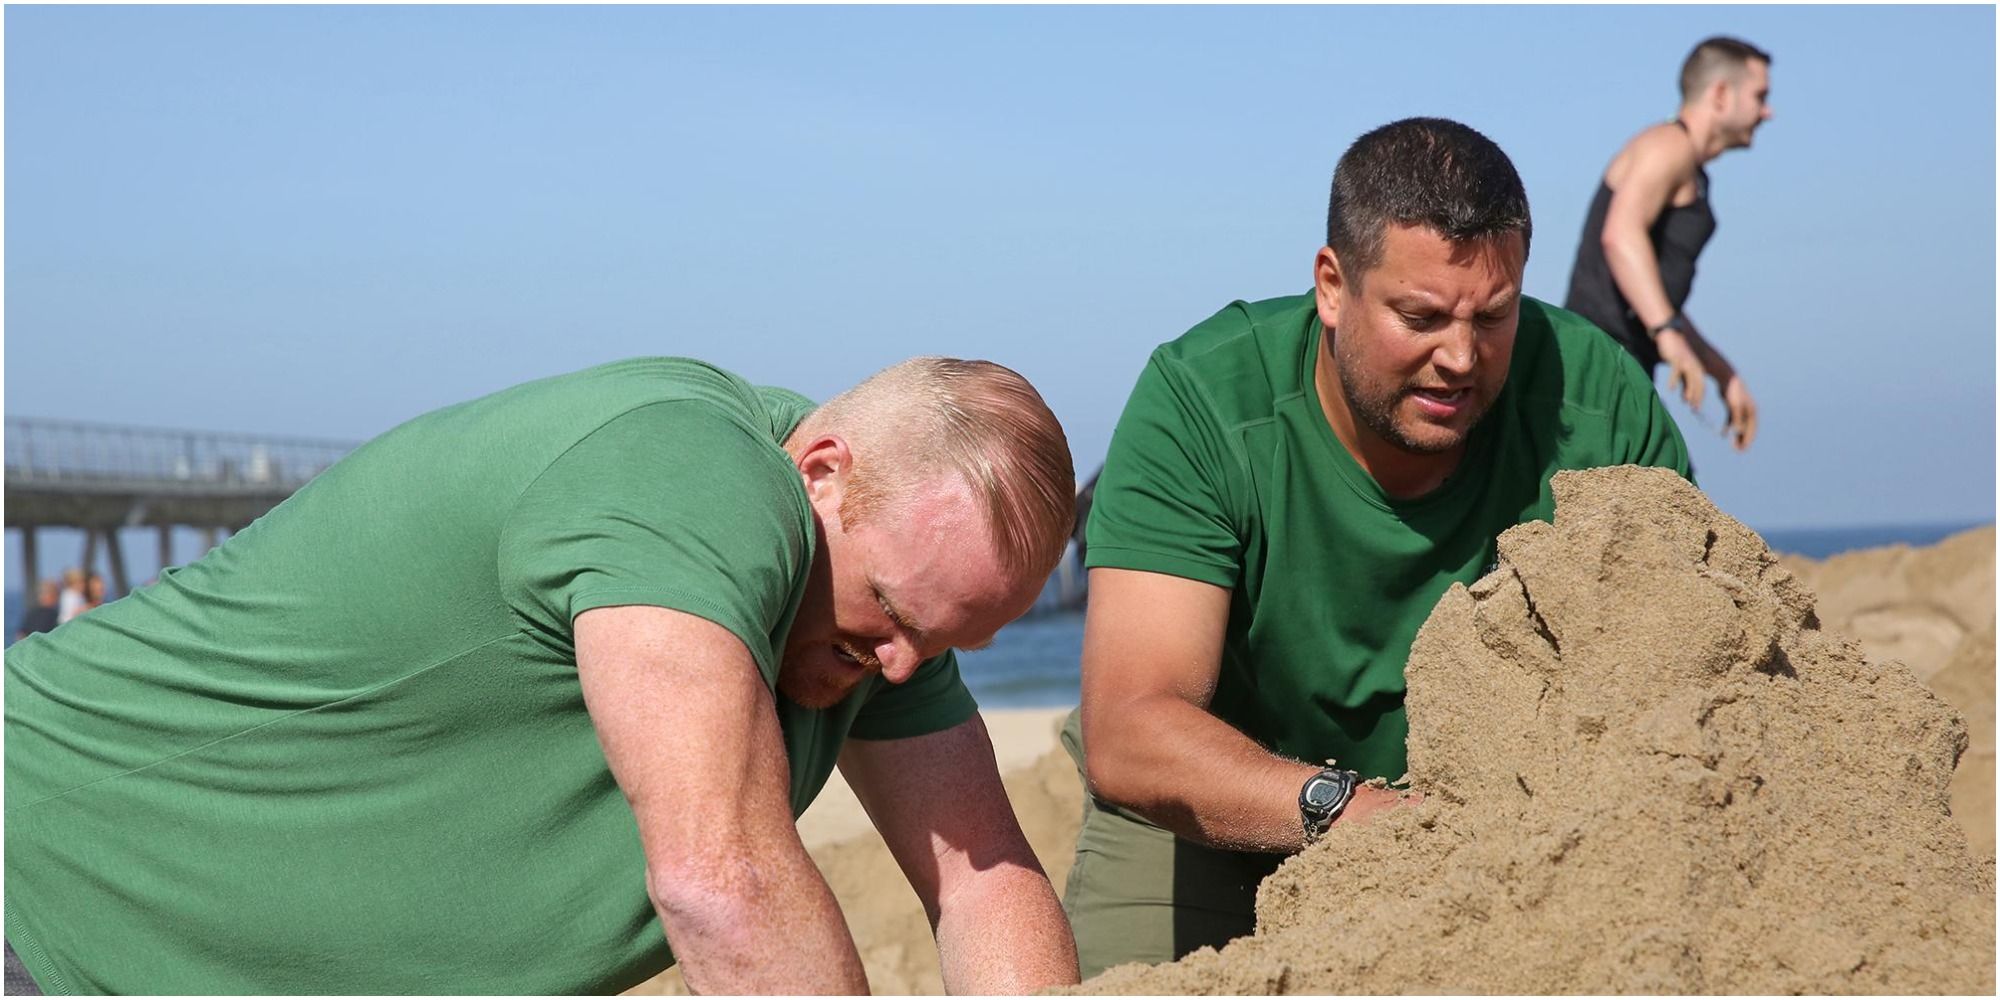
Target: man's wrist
<point>1323,798</point>
<point>1678,322</point>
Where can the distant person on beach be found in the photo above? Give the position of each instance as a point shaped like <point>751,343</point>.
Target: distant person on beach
<point>93,592</point>
<point>72,601</point>
<point>531,689</point>
<point>1293,484</point>
<point>41,617</point>
<point>1651,218</point>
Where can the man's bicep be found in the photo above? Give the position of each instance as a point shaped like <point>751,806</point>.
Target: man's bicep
<point>673,504</point>
<point>1151,633</point>
<point>1163,496</point>
<point>1656,170</point>
<point>688,728</point>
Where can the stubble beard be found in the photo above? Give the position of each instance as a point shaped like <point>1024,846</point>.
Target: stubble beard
<point>809,688</point>
<point>813,686</point>
<point>1377,412</point>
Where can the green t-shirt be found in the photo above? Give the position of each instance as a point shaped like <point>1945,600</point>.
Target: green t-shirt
<point>347,752</point>
<point>1223,469</point>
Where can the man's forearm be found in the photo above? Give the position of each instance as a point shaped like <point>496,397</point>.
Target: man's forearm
<point>1711,359</point>
<point>1005,934</point>
<point>1194,774</point>
<point>767,925</point>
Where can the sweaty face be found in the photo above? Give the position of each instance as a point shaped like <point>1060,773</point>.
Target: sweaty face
<point>1419,347</point>
<point>901,586</point>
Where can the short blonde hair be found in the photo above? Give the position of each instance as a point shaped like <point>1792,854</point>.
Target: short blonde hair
<point>928,415</point>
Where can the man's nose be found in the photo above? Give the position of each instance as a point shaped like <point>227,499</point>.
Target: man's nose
<point>899,659</point>
<point>1458,351</point>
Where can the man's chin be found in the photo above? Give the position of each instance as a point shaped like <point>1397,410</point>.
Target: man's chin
<point>1421,436</point>
<point>812,689</point>
<point>1430,439</point>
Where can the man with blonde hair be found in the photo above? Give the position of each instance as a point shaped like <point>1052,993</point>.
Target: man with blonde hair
<point>530,690</point>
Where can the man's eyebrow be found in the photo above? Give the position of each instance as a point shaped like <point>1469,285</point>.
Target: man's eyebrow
<point>895,614</point>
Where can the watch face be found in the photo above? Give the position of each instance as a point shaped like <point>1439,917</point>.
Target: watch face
<point>1322,793</point>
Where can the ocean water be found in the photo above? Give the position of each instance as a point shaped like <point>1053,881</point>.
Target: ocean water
<point>1036,662</point>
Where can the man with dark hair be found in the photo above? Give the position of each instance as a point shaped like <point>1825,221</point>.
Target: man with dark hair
<point>1292,486</point>
<point>1651,217</point>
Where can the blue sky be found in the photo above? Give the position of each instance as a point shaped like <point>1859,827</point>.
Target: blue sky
<point>324,221</point>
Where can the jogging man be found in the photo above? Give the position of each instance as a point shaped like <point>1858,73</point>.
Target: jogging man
<point>1293,484</point>
<point>531,689</point>
<point>1651,217</point>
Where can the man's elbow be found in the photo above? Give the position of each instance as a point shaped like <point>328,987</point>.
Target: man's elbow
<point>713,897</point>
<point>1112,749</point>
<point>1613,241</point>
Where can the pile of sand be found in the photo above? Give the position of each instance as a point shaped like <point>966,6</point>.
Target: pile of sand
<point>1932,609</point>
<point>1900,603</point>
<point>1648,770</point>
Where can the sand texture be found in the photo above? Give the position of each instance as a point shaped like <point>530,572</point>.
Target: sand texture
<point>1648,770</point>
<point>1932,609</point>
<point>1900,603</point>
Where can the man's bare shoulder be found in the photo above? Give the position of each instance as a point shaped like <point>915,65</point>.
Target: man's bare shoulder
<point>1660,151</point>
<point>1664,144</point>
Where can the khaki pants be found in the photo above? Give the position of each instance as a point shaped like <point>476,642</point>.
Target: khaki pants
<point>1140,894</point>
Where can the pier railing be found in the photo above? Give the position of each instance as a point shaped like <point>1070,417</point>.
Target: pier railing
<point>54,453</point>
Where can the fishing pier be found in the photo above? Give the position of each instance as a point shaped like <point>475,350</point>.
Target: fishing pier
<point>102,478</point>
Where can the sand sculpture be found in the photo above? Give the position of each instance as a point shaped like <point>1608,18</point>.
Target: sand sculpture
<point>1647,769</point>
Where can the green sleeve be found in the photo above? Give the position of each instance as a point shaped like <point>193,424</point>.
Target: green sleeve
<point>1647,433</point>
<point>675,505</point>
<point>1161,503</point>
<point>934,699</point>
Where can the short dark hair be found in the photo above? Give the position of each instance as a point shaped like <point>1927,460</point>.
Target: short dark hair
<point>1714,56</point>
<point>1430,172</point>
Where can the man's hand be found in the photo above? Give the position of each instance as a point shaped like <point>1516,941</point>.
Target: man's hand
<point>1742,425</point>
<point>1742,412</point>
<point>691,735</point>
<point>1686,375</point>
<point>940,807</point>
<point>1372,800</point>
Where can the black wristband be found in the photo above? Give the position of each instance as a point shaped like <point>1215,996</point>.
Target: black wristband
<point>1674,322</point>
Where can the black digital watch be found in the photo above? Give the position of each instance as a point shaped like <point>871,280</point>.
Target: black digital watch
<point>1323,797</point>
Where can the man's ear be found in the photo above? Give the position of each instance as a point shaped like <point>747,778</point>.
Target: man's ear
<point>824,466</point>
<point>1718,93</point>
<point>1328,282</point>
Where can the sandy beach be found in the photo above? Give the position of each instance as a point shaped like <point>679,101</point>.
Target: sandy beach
<point>1931,609</point>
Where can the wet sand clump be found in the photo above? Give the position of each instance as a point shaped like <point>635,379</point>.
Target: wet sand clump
<point>1647,769</point>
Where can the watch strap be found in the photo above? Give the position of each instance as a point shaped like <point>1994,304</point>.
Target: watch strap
<point>1317,816</point>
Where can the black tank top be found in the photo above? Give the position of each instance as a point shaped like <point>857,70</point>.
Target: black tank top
<point>1678,236</point>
